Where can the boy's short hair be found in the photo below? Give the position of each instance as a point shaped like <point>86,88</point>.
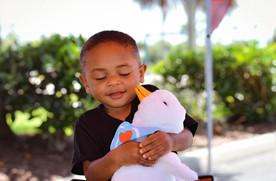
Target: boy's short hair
<point>108,36</point>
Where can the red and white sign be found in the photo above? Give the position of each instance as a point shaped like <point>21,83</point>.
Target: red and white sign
<point>218,9</point>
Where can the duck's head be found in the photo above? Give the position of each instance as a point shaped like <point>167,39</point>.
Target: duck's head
<point>159,109</point>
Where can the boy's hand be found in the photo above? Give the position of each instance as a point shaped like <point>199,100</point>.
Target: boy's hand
<point>128,153</point>
<point>156,145</point>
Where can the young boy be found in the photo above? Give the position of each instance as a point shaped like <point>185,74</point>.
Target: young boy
<point>111,70</point>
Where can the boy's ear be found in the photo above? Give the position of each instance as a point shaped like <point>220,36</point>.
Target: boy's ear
<point>84,83</point>
<point>142,71</point>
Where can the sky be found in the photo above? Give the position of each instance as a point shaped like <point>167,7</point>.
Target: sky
<point>30,19</point>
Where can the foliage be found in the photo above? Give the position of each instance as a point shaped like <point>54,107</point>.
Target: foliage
<point>244,79</point>
<point>156,52</point>
<point>43,75</point>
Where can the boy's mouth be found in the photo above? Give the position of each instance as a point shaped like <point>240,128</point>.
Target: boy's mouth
<point>116,95</point>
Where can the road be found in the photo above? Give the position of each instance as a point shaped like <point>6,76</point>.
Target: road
<point>260,167</point>
<point>252,159</point>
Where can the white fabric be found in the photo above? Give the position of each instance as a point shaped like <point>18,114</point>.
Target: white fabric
<point>160,109</point>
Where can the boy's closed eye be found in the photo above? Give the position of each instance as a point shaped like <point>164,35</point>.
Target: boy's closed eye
<point>104,77</point>
<point>124,70</point>
<point>100,78</point>
<point>124,74</point>
<point>98,75</point>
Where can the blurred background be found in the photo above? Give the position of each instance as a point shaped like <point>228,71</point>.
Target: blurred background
<point>41,96</point>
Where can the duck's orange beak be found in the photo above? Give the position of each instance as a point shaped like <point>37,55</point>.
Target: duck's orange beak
<point>141,92</point>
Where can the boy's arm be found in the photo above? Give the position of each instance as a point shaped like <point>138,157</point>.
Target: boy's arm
<point>160,143</point>
<point>182,141</point>
<point>100,169</point>
<point>103,168</point>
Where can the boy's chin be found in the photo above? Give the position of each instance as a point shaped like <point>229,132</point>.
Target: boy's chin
<point>116,104</point>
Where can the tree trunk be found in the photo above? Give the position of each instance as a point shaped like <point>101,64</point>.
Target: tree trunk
<point>190,8</point>
<point>5,131</point>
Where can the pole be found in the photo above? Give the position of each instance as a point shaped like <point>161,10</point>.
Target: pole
<point>209,82</point>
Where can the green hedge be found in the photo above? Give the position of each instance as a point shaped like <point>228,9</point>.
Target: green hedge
<point>43,74</point>
<point>244,80</point>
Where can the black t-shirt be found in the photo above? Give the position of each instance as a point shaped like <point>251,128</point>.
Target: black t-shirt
<point>95,130</point>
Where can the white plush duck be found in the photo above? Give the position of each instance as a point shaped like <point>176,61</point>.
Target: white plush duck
<point>162,111</point>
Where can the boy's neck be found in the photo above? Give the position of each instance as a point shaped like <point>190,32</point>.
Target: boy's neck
<point>119,113</point>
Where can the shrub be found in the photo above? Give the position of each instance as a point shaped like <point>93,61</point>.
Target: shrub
<point>43,74</point>
<point>244,79</point>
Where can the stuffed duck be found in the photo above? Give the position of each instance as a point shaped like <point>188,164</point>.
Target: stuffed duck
<point>162,111</point>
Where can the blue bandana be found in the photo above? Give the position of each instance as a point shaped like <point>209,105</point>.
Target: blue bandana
<point>128,132</point>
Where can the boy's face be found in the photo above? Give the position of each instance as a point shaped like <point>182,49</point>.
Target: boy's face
<point>111,73</point>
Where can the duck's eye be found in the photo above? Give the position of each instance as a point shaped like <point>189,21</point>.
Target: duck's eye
<point>165,103</point>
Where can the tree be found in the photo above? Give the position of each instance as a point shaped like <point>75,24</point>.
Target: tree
<point>190,7</point>
<point>42,74</point>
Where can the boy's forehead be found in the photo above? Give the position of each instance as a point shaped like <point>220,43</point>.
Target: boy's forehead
<point>102,59</point>
<point>103,69</point>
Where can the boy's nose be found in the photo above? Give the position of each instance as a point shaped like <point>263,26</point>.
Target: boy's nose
<point>113,80</point>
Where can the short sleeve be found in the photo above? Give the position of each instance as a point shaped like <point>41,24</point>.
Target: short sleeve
<point>85,148</point>
<point>191,124</point>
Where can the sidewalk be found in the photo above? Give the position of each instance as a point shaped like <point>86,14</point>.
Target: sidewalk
<point>198,159</point>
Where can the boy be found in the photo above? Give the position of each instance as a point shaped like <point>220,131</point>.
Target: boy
<point>111,70</point>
